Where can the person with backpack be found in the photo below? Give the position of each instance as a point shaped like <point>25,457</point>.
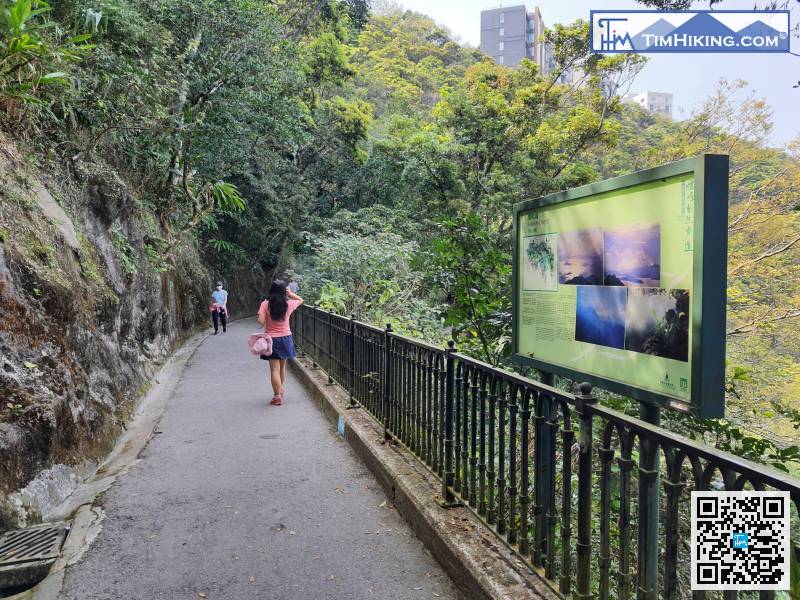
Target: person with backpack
<point>274,314</point>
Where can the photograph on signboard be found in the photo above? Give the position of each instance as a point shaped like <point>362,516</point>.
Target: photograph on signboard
<point>540,262</point>
<point>580,257</point>
<point>657,322</point>
<point>600,316</point>
<point>632,255</point>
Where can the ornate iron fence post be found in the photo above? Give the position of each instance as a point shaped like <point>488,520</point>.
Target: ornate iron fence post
<point>448,499</point>
<point>524,500</point>
<point>330,347</point>
<point>583,402</point>
<point>648,550</point>
<point>544,470</point>
<point>387,378</point>
<point>351,351</point>
<point>301,330</point>
<point>313,337</point>
<point>674,488</point>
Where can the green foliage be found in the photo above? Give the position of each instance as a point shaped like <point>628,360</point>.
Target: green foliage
<point>14,408</point>
<point>499,135</point>
<point>386,158</point>
<point>739,374</point>
<point>220,111</point>
<point>730,437</point>
<point>333,298</point>
<point>371,220</point>
<point>348,120</point>
<point>327,61</point>
<point>763,234</point>
<point>403,59</point>
<point>126,253</point>
<point>32,52</point>
<point>157,257</point>
<point>224,246</point>
<point>372,278</point>
<point>474,268</point>
<point>226,196</point>
<point>455,141</point>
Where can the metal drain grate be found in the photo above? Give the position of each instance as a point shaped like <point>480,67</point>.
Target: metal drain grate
<point>34,543</point>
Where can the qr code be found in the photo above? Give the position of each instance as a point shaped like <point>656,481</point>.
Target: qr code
<point>740,540</point>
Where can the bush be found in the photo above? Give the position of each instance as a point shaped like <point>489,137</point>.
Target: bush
<point>372,278</point>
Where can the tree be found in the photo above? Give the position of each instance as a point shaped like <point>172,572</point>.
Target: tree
<point>213,106</point>
<point>296,141</point>
<point>403,60</point>
<point>763,239</point>
<point>501,135</point>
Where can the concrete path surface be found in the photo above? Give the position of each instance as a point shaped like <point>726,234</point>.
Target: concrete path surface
<point>234,499</point>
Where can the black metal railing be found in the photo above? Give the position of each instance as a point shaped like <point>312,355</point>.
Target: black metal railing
<point>597,501</point>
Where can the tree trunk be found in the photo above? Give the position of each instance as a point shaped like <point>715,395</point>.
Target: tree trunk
<point>310,15</point>
<point>281,253</point>
<point>174,174</point>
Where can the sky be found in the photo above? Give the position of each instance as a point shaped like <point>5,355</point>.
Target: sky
<point>690,77</point>
<point>631,247</point>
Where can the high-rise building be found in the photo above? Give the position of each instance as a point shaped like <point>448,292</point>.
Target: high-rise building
<point>509,34</point>
<point>656,102</point>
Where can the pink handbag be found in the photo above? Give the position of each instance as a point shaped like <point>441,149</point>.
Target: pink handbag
<point>260,344</point>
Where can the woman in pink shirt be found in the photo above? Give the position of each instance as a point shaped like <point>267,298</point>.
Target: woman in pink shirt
<point>274,314</point>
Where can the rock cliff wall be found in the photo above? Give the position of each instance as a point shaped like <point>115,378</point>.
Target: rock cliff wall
<point>90,306</point>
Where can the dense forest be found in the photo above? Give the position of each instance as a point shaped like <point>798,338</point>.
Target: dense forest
<point>366,152</point>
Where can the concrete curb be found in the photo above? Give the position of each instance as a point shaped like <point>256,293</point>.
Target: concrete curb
<point>479,563</point>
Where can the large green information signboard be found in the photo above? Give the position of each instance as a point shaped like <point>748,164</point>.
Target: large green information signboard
<point>622,283</point>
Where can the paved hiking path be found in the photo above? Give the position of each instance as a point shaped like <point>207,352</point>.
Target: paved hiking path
<point>234,499</point>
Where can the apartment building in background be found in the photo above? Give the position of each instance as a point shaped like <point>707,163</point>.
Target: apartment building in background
<point>509,34</point>
<point>659,103</point>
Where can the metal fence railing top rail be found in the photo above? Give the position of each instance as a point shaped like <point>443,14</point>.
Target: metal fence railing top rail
<point>596,500</point>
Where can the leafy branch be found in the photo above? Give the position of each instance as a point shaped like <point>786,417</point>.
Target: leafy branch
<point>29,53</point>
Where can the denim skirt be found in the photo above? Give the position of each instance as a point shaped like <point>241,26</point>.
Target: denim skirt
<point>282,348</point>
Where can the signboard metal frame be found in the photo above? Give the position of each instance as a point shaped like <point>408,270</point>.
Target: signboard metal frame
<point>709,283</point>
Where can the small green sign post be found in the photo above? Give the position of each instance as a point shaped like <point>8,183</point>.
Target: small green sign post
<point>622,283</point>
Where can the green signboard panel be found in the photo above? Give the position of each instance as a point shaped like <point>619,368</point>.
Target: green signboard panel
<point>622,283</point>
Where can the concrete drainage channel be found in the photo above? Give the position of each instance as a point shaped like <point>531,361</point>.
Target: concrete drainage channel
<point>26,555</point>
